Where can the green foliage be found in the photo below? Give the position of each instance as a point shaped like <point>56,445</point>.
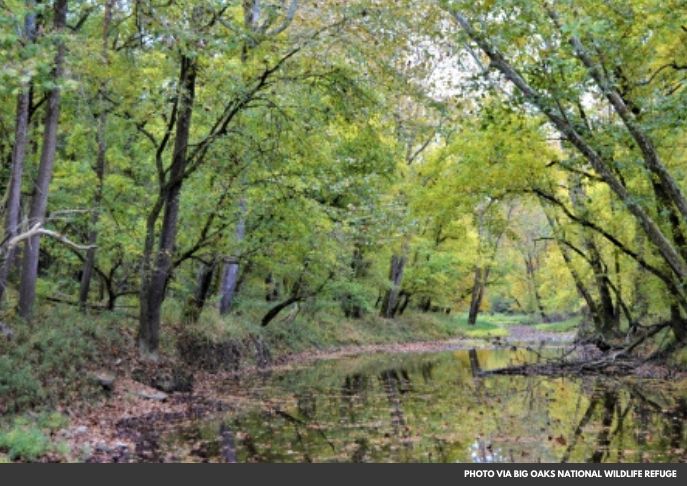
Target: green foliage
<point>29,439</point>
<point>355,136</point>
<point>19,387</point>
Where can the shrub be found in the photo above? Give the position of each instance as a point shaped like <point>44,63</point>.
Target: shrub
<point>29,439</point>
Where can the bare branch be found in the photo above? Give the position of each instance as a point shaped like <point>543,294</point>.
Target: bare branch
<point>38,230</point>
<point>288,18</point>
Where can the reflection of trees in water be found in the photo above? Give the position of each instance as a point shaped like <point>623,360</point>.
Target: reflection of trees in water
<point>397,383</point>
<point>624,416</point>
<point>678,424</point>
<point>362,445</point>
<point>444,408</point>
<point>427,368</point>
<point>620,432</point>
<point>475,367</point>
<point>353,395</point>
<point>354,384</point>
<point>603,439</point>
<point>482,451</point>
<point>642,421</point>
<point>306,404</point>
<point>579,429</point>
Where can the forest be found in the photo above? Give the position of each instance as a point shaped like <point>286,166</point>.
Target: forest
<point>284,194</point>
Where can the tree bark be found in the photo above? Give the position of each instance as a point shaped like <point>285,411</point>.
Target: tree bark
<point>389,304</point>
<point>579,283</point>
<point>39,201</point>
<point>531,269</point>
<point>21,135</point>
<point>475,367</point>
<point>678,323</point>
<point>477,294</point>
<point>252,12</point>
<point>155,279</point>
<point>640,302</point>
<point>406,300</point>
<point>16,174</point>
<point>608,318</point>
<point>194,305</point>
<point>359,266</point>
<point>274,311</point>
<point>230,274</point>
<point>100,164</point>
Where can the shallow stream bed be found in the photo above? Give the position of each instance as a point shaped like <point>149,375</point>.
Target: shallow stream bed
<point>435,407</point>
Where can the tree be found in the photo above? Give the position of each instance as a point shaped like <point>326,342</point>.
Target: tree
<point>100,162</point>
<point>39,200</point>
<point>551,100</point>
<point>21,135</point>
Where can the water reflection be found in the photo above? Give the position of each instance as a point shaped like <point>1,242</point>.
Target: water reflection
<point>441,408</point>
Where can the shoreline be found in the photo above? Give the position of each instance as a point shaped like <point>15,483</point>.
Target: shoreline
<point>109,427</point>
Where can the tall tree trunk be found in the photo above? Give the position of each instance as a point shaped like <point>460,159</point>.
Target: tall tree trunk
<point>530,267</point>
<point>155,279</point>
<point>389,304</point>
<point>101,160</point>
<point>640,301</point>
<point>618,281</point>
<point>230,274</point>
<point>491,239</point>
<point>609,320</point>
<point>21,135</point>
<point>678,323</point>
<point>477,294</point>
<point>577,278</point>
<point>406,300</point>
<point>39,201</point>
<point>606,307</point>
<point>349,305</point>
<point>194,305</point>
<point>664,204</point>
<point>16,173</point>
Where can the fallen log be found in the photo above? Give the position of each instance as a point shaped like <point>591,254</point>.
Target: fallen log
<point>617,362</point>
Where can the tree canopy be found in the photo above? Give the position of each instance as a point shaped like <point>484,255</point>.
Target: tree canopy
<point>524,157</point>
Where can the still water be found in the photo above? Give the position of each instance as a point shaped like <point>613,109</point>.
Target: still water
<point>436,408</point>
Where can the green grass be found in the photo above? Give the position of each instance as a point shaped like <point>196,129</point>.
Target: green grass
<point>482,329</point>
<point>325,327</point>
<point>499,320</point>
<point>490,325</point>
